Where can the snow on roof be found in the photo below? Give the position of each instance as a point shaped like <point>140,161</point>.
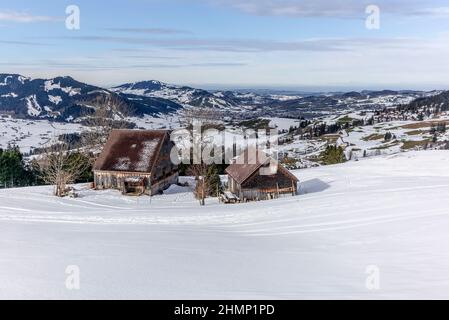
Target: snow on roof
<point>131,151</point>
<point>122,164</point>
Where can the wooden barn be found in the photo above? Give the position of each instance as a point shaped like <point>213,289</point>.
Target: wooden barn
<point>251,180</point>
<point>136,162</point>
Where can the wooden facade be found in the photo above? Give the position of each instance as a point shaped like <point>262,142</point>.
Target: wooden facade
<point>136,162</point>
<point>249,183</point>
<point>134,186</point>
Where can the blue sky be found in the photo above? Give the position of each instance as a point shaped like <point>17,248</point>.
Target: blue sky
<point>294,44</point>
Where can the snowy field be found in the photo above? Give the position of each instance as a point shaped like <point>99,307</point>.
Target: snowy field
<point>30,134</point>
<point>390,212</point>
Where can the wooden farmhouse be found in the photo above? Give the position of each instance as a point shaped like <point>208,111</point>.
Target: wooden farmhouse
<point>250,179</point>
<point>136,162</point>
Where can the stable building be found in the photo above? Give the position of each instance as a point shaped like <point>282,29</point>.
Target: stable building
<point>136,162</point>
<point>251,178</point>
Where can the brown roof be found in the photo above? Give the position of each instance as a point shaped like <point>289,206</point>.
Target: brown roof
<point>131,151</point>
<point>244,166</point>
<point>287,172</point>
<point>248,163</point>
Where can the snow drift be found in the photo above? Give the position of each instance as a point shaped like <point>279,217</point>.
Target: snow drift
<point>389,212</point>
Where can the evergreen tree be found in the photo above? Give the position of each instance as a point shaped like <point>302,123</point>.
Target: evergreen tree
<point>13,171</point>
<point>213,181</point>
<point>433,129</point>
<point>435,138</point>
<point>420,117</point>
<point>333,155</point>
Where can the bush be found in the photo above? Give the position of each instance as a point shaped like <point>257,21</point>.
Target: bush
<point>333,155</point>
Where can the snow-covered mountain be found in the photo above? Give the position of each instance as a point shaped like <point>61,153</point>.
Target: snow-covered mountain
<point>251,104</point>
<point>186,96</point>
<point>65,99</point>
<point>438,100</point>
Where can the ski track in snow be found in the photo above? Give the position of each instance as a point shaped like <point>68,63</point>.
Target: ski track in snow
<point>388,211</point>
<point>75,216</point>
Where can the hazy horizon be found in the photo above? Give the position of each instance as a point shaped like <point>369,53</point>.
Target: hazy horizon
<point>292,88</point>
<point>320,44</point>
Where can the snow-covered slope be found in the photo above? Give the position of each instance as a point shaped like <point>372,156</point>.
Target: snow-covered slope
<point>250,103</point>
<point>66,99</point>
<point>32,134</point>
<point>183,95</point>
<point>388,212</point>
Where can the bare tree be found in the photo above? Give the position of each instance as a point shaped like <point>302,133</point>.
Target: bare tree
<point>202,188</point>
<point>197,120</point>
<point>204,116</point>
<point>111,112</point>
<point>60,167</point>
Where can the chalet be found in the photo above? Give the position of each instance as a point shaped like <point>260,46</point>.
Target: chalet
<point>136,162</point>
<point>251,179</point>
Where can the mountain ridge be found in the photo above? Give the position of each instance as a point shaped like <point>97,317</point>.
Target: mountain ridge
<point>65,99</point>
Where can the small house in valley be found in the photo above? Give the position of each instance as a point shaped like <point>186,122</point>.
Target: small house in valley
<point>136,162</point>
<point>251,178</point>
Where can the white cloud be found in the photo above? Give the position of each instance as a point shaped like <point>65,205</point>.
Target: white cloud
<point>24,17</point>
<point>252,45</point>
<point>436,12</point>
<point>297,8</point>
<point>336,9</point>
<point>151,31</point>
<point>362,62</point>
